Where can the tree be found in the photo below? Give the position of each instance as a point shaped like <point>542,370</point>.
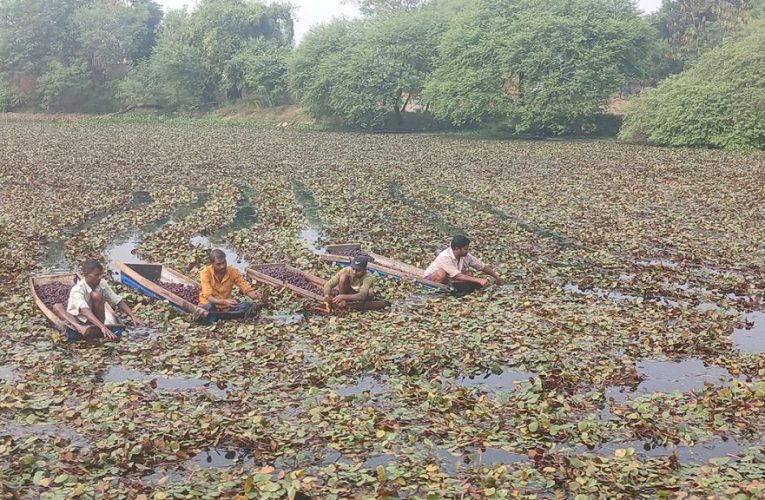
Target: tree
<point>259,71</point>
<point>45,44</point>
<point>174,77</point>
<point>113,34</point>
<point>361,72</point>
<point>66,87</point>
<point>689,28</point>
<point>33,32</point>
<point>718,102</point>
<point>537,66</point>
<point>375,7</point>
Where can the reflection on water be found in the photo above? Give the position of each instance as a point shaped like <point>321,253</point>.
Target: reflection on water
<point>8,374</point>
<point>752,338</point>
<point>369,383</point>
<point>311,238</point>
<point>671,376</point>
<point>121,373</point>
<point>504,381</point>
<point>215,458</point>
<point>699,453</point>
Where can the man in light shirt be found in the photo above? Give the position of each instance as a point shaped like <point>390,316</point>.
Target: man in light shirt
<point>451,267</point>
<point>88,298</point>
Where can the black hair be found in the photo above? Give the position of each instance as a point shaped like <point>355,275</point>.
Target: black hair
<point>460,241</point>
<point>215,256</point>
<point>91,265</point>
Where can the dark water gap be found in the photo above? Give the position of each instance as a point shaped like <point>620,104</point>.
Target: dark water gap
<point>436,220</point>
<point>311,234</point>
<point>123,247</point>
<point>244,218</point>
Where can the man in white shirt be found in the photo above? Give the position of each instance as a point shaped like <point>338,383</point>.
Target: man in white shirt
<point>88,298</point>
<point>451,267</point>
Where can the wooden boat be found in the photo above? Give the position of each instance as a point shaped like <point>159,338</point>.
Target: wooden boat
<point>256,273</point>
<point>144,277</point>
<point>73,331</point>
<point>382,266</point>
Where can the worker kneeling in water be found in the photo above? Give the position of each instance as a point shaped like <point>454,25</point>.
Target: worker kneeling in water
<point>353,284</point>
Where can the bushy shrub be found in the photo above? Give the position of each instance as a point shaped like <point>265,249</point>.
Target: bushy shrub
<point>719,102</point>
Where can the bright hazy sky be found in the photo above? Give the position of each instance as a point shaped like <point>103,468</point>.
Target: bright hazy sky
<point>310,12</point>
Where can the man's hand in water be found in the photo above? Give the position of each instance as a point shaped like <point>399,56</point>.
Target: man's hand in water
<point>108,333</point>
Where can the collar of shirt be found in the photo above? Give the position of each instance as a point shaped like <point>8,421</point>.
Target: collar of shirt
<point>84,284</point>
<point>226,275</point>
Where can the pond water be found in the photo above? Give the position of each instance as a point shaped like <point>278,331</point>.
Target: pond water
<point>504,381</point>
<point>670,376</point>
<point>55,257</point>
<point>20,431</point>
<point>751,339</point>
<point>310,237</point>
<point>214,458</point>
<point>368,383</point>
<point>121,373</point>
<point>699,453</point>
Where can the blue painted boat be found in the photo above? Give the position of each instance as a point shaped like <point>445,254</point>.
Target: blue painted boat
<point>145,278</point>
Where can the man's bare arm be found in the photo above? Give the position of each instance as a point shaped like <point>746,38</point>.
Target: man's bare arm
<point>491,272</point>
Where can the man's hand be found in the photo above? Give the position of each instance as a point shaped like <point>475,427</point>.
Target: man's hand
<point>338,299</point>
<point>108,333</point>
<point>483,282</point>
<point>499,281</point>
<point>231,302</point>
<point>137,321</point>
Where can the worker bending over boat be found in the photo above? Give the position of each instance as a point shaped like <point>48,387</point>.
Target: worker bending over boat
<point>88,298</point>
<point>354,284</point>
<point>218,281</point>
<point>451,267</point>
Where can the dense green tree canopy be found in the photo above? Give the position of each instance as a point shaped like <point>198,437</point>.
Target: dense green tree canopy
<point>719,102</point>
<point>360,72</point>
<point>686,29</point>
<point>548,66</point>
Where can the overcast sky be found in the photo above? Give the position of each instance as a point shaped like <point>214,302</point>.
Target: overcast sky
<point>310,12</point>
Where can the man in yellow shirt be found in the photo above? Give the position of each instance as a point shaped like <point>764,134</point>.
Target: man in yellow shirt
<point>218,281</point>
<point>353,284</point>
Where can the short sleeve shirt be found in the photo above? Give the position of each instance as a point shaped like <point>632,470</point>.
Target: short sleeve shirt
<point>79,297</point>
<point>447,262</point>
<point>359,285</point>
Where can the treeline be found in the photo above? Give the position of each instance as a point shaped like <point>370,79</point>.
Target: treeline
<point>548,67</point>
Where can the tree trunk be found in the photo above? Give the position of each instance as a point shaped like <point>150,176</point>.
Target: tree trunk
<point>397,109</point>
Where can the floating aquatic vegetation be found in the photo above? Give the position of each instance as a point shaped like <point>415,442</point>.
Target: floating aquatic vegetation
<point>622,357</point>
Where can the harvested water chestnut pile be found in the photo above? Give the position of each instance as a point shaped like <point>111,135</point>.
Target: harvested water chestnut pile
<point>53,293</point>
<point>189,293</point>
<point>353,253</point>
<point>293,278</point>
